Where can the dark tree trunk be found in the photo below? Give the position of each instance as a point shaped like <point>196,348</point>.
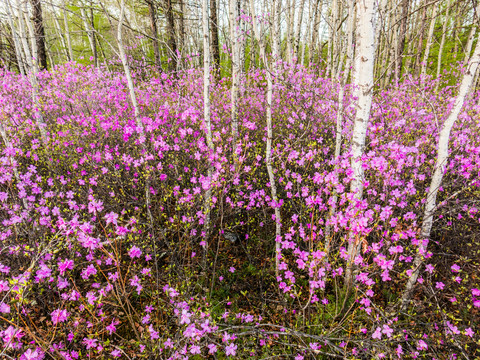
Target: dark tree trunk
<point>153,23</point>
<point>172,43</point>
<point>402,35</point>
<point>215,42</point>
<point>39,34</point>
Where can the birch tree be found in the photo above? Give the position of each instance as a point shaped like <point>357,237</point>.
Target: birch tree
<point>58,30</point>
<point>316,28</point>
<point>67,32</point>
<point>365,57</point>
<point>235,71</point>
<point>439,171</point>
<point>442,42</point>
<point>340,111</point>
<point>429,43</point>
<point>268,150</point>
<point>206,111</point>
<point>471,35</point>
<point>16,40</point>
<point>402,36</point>
<point>90,32</point>
<point>32,69</point>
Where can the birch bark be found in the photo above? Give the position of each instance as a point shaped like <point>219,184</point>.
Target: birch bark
<point>471,35</point>
<point>429,43</point>
<point>365,55</point>
<point>67,32</point>
<point>234,27</point>
<point>316,28</point>
<point>31,72</point>
<point>58,29</point>
<point>442,42</point>
<point>87,29</point>
<point>339,117</point>
<point>268,151</point>
<point>206,110</point>
<point>439,171</point>
<point>16,40</point>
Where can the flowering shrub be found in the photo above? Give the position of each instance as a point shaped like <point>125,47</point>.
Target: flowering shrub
<point>87,271</point>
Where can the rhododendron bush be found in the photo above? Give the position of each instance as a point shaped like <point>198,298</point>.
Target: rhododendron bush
<point>87,271</point>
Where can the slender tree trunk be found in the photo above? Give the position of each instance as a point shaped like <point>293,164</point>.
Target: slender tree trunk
<point>420,38</point>
<point>429,43</point>
<point>455,29</point>
<point>332,38</point>
<point>58,30</point>
<point>153,24</point>
<point>299,28</point>
<point>16,40</point>
<point>67,32</point>
<point>471,35</point>
<point>181,44</point>
<point>32,66</point>
<point>126,68</point>
<point>235,71</point>
<point>316,28</point>
<point>402,36</point>
<point>139,124</point>
<point>442,42</point>
<point>214,35</point>
<point>243,38</point>
<point>290,19</point>
<point>31,34</point>
<point>172,43</point>
<point>268,150</point>
<point>439,170</point>
<point>94,36</point>
<point>88,30</point>
<point>276,8</point>
<point>32,72</point>
<point>206,113</point>
<point>39,33</point>
<point>366,57</point>
<point>339,117</point>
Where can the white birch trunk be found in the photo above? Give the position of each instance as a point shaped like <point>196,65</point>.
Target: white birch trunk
<point>429,43</point>
<point>268,151</point>
<point>206,110</point>
<point>234,27</point>
<point>290,20</point>
<point>365,56</point>
<point>316,28</point>
<point>471,35</point>
<point>59,32</point>
<point>88,30</point>
<point>439,170</point>
<point>138,121</point>
<point>16,40</point>
<point>299,28</point>
<point>332,39</point>
<point>31,73</point>
<point>442,42</point>
<point>277,4</point>
<point>340,110</point>
<point>126,68</point>
<point>67,32</point>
